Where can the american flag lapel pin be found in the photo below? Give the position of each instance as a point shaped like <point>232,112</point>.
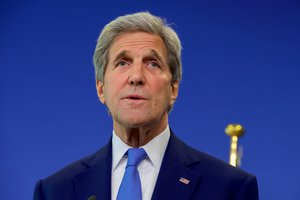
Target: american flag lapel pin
<point>184,181</point>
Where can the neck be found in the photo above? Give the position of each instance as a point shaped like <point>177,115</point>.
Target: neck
<point>139,136</point>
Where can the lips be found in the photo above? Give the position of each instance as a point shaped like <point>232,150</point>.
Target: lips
<point>135,97</point>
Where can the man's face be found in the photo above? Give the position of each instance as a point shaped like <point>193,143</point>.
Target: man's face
<point>137,86</point>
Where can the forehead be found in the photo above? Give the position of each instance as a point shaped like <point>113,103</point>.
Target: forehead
<point>137,41</point>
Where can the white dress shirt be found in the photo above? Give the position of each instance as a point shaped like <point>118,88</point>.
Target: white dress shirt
<point>148,168</point>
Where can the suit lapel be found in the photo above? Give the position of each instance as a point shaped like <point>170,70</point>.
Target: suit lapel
<point>175,179</point>
<point>96,179</point>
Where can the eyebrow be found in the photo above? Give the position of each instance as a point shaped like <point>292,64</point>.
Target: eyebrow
<point>156,55</point>
<point>125,53</point>
<point>122,54</point>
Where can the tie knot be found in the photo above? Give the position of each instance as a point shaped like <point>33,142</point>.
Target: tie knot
<point>135,156</point>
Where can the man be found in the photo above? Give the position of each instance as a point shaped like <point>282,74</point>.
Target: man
<point>138,69</point>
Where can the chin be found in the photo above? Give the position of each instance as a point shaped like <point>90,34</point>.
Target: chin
<point>134,121</point>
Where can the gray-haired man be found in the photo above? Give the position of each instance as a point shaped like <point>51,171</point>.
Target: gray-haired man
<point>138,70</point>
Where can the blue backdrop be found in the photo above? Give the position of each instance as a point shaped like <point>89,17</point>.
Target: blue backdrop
<point>241,63</point>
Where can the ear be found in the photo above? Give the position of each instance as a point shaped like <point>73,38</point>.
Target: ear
<point>174,92</point>
<point>100,91</point>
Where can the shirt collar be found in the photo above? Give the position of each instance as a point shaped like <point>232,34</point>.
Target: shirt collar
<point>155,148</point>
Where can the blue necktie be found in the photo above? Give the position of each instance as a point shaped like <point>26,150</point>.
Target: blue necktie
<point>130,188</point>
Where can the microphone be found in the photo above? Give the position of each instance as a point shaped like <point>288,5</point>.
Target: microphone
<point>93,197</point>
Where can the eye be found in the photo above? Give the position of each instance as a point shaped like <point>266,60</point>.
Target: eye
<point>153,64</point>
<point>122,63</point>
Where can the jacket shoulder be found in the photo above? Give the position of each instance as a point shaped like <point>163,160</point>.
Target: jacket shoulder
<point>60,184</point>
<point>218,178</point>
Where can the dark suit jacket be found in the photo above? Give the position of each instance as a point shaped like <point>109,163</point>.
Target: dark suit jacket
<point>209,178</point>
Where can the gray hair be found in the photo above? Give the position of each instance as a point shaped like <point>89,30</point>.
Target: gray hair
<point>141,21</point>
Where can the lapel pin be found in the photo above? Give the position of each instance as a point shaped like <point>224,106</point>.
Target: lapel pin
<point>184,180</point>
<point>93,197</point>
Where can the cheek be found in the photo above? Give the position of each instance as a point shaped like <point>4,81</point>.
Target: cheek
<point>108,93</point>
<point>164,92</point>
<point>112,91</point>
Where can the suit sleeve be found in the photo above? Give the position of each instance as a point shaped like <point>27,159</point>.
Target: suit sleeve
<point>249,190</point>
<point>38,191</point>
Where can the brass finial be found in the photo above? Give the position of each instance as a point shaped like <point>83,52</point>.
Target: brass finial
<point>234,131</point>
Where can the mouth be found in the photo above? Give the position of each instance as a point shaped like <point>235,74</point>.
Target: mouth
<point>135,97</point>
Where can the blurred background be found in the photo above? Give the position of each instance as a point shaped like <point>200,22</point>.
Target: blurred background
<point>241,64</point>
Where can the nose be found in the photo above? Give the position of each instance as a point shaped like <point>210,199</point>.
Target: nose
<point>137,76</point>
